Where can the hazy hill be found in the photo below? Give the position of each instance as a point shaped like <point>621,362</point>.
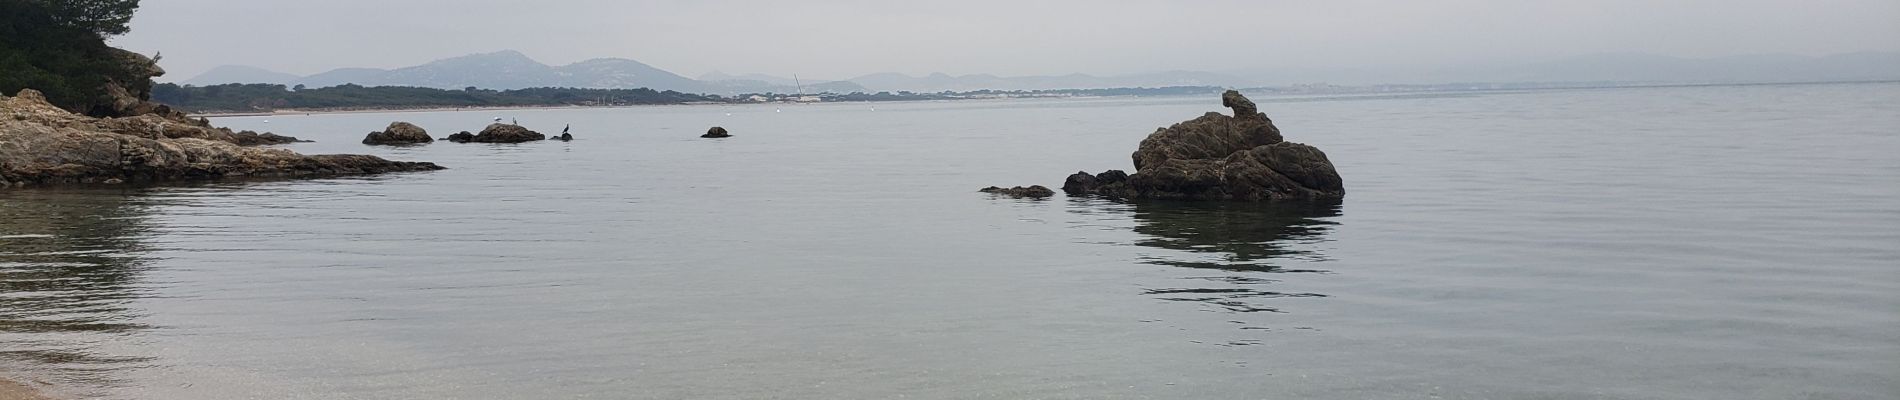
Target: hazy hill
<point>505,70</point>
<point>339,76</point>
<point>240,74</point>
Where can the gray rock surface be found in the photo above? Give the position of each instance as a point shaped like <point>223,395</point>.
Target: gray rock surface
<point>41,145</point>
<point>399,132</point>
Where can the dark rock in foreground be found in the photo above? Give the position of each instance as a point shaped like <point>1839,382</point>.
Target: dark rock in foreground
<point>1035,191</point>
<point>1217,157</point>
<point>498,133</point>
<point>399,133</point>
<point>41,144</point>
<point>716,132</point>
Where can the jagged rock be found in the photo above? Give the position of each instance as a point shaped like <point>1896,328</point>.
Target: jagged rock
<point>1035,191</point>
<point>1217,157</point>
<point>499,133</point>
<point>716,132</point>
<point>42,144</point>
<point>399,132</point>
<point>128,92</point>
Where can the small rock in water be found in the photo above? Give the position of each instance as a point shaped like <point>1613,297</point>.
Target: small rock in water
<point>399,132</point>
<point>1033,191</point>
<point>716,132</point>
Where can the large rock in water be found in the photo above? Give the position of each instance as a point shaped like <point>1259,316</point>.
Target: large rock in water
<point>500,133</point>
<point>716,132</point>
<point>42,144</point>
<point>1218,157</point>
<point>399,133</point>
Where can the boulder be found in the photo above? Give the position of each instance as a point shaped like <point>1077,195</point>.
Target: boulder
<point>399,133</point>
<point>41,144</point>
<point>1218,157</point>
<point>1034,191</point>
<point>716,132</point>
<point>564,137</point>
<point>499,133</point>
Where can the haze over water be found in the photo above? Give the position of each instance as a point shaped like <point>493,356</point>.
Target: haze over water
<point>1659,243</point>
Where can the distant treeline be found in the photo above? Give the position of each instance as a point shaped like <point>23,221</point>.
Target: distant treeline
<point>261,97</point>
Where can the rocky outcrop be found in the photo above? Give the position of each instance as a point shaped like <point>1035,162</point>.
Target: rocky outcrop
<point>129,91</point>
<point>1034,191</point>
<point>41,144</point>
<point>498,133</point>
<point>1218,157</point>
<point>163,123</point>
<point>399,133</point>
<point>716,132</point>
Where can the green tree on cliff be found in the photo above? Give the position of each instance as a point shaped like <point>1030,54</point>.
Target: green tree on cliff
<point>58,47</point>
<point>105,18</point>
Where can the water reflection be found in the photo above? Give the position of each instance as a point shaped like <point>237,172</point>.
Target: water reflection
<point>70,267</point>
<point>1233,249</point>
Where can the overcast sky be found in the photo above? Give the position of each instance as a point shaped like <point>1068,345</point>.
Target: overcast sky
<point>843,39</point>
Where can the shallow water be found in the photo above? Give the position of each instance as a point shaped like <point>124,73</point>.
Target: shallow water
<point>1665,243</point>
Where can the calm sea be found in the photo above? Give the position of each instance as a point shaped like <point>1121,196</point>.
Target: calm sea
<point>1729,242</point>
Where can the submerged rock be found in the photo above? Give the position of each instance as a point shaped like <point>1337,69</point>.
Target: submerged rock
<point>499,133</point>
<point>1034,191</point>
<point>564,137</point>
<point>42,144</point>
<point>1218,157</point>
<point>716,132</point>
<point>399,132</point>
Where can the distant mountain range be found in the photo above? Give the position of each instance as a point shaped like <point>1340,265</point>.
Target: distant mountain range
<point>513,70</point>
<point>510,69</point>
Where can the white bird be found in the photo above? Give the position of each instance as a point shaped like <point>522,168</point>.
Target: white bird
<point>497,119</point>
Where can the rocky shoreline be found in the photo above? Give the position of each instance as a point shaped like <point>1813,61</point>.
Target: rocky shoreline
<point>41,144</point>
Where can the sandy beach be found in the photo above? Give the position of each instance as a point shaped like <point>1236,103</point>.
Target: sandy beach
<point>10,390</point>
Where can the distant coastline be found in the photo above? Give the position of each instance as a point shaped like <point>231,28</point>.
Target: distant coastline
<point>1296,90</point>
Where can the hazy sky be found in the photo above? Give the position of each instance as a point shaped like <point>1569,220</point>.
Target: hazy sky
<point>843,39</point>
